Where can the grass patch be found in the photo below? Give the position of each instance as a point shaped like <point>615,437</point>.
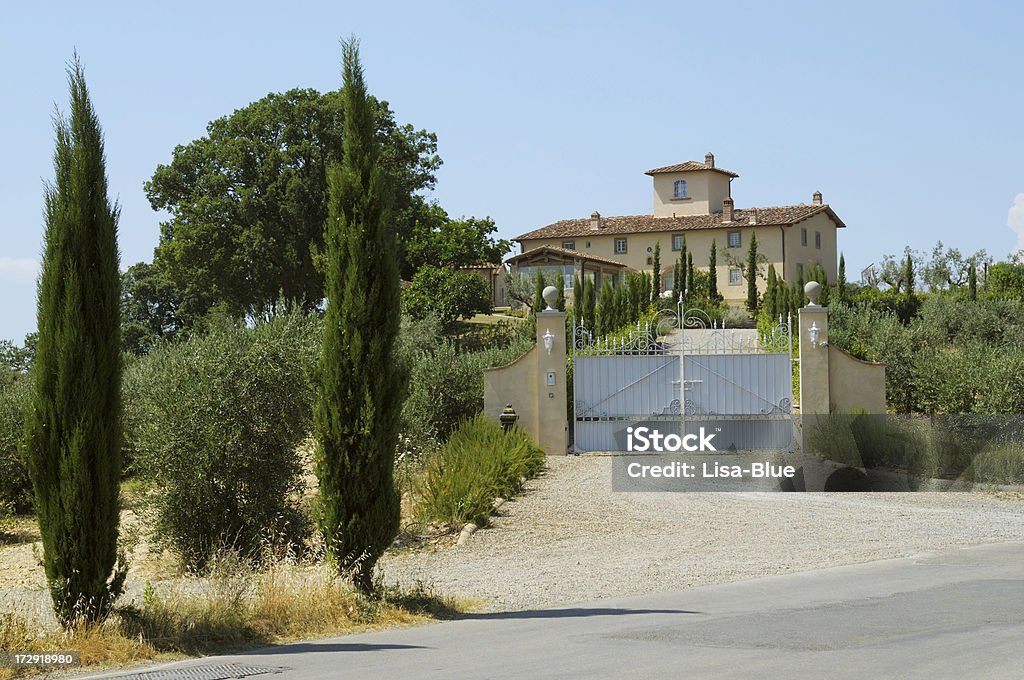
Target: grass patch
<point>479,463</point>
<point>236,608</point>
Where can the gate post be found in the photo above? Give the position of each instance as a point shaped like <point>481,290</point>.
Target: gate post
<point>814,392</point>
<point>552,420</point>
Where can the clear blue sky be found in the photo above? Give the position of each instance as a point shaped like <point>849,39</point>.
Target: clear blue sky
<point>908,117</point>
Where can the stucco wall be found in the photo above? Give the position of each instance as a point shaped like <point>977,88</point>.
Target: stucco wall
<point>705,192</point>
<point>827,256</point>
<point>855,385</point>
<point>769,244</point>
<point>514,384</point>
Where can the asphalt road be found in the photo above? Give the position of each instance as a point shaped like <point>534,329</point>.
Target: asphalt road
<point>957,614</point>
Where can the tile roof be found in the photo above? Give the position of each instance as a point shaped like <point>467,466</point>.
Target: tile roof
<point>689,166</point>
<point>633,224</point>
<point>568,253</point>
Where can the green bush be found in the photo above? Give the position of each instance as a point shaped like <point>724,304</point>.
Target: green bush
<point>479,463</point>
<point>1002,464</point>
<point>15,485</point>
<point>216,421</point>
<point>447,387</point>
<point>448,293</point>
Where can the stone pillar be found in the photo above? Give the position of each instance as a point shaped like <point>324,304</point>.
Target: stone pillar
<point>552,421</point>
<point>814,389</point>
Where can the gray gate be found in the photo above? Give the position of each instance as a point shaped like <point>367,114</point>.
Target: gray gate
<point>680,374</point>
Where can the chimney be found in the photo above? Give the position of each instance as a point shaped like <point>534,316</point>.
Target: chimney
<point>595,220</point>
<point>726,209</point>
<point>816,200</point>
<point>753,217</point>
<point>709,159</point>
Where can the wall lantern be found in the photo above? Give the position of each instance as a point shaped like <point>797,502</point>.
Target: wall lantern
<point>549,340</point>
<point>814,332</point>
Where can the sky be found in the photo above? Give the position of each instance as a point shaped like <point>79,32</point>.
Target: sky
<point>906,116</point>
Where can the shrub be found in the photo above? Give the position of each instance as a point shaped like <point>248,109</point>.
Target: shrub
<point>217,420</point>
<point>15,486</point>
<point>1002,464</point>
<point>479,463</point>
<point>447,387</point>
<point>449,293</point>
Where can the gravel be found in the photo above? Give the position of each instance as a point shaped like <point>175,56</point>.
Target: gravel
<point>571,539</point>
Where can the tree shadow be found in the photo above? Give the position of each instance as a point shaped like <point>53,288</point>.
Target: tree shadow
<point>571,613</point>
<point>312,647</point>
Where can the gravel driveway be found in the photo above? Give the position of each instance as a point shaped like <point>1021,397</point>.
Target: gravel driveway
<point>571,539</point>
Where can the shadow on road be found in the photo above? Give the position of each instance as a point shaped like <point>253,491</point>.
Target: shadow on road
<point>312,647</point>
<point>571,613</point>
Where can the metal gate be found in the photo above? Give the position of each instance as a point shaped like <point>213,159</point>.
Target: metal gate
<point>681,374</point>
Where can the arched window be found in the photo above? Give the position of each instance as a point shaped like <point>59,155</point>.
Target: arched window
<point>679,189</point>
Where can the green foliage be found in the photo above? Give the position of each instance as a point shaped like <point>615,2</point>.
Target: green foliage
<point>953,356</point>
<point>446,293</point>
<point>248,201</point>
<point>589,305</point>
<point>713,293</point>
<point>73,429</point>
<point>149,308</point>
<point>972,282</point>
<point>216,421</point>
<point>447,387</point>
<point>841,279</point>
<point>479,463</point>
<point>908,276</point>
<point>606,317</point>
<point>539,284</point>
<point>1005,280</point>
<point>752,275</point>
<point>362,385</point>
<point>15,485</point>
<point>437,239</point>
<point>656,273</point>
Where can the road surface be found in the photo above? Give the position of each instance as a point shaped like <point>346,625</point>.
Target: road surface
<point>952,614</point>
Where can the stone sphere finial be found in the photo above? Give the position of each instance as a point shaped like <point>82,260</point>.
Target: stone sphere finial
<point>550,295</point>
<point>812,290</point>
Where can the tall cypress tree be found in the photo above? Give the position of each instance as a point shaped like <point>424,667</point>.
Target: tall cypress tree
<point>752,275</point>
<point>656,274</point>
<point>769,295</point>
<point>73,430</point>
<point>691,280</point>
<point>972,282</point>
<point>362,384</point>
<point>539,284</point>
<point>589,305</point>
<point>908,274</point>
<point>713,273</point>
<point>841,278</point>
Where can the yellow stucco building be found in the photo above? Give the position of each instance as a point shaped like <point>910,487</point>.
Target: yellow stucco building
<point>691,200</point>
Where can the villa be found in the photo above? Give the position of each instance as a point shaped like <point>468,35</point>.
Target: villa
<point>691,200</point>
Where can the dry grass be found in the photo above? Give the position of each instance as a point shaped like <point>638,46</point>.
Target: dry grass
<point>235,608</point>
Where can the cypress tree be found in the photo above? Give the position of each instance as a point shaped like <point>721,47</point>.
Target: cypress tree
<point>683,252</point>
<point>656,279</point>
<point>589,305</point>
<point>713,273</point>
<point>841,278</point>
<point>677,282</point>
<point>781,300</point>
<point>769,295</point>
<point>621,305</point>
<point>73,430</point>
<point>752,274</point>
<point>539,284</point>
<point>972,282</point>
<point>645,291</point>
<point>908,274</point>
<point>691,282</point>
<point>577,297</point>
<point>633,287</point>
<point>362,383</point>
<point>606,309</point>
<point>560,285</point>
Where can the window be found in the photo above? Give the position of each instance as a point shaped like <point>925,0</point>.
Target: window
<point>569,245</point>
<point>679,189</point>
<point>803,237</point>
<point>620,245</point>
<point>817,240</point>
<point>735,277</point>
<point>800,270</point>
<point>588,244</point>
<point>677,241</point>
<point>734,239</point>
